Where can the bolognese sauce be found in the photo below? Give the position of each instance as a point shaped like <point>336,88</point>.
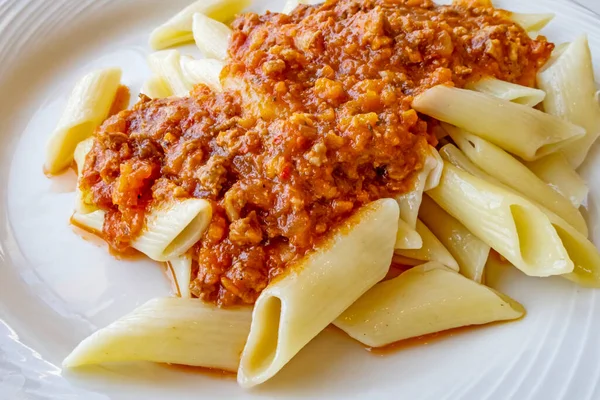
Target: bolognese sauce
<point>315,120</point>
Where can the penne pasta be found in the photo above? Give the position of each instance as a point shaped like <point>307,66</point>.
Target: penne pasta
<point>524,95</point>
<point>425,299</point>
<point>156,88</point>
<point>169,231</point>
<point>181,269</point>
<point>557,172</point>
<point>469,251</point>
<point>516,176</point>
<point>454,156</point>
<point>178,30</point>
<point>571,94</point>
<point>88,106</point>
<point>409,203</point>
<point>293,309</point>
<point>432,249</point>
<point>507,222</point>
<point>521,130</point>
<point>81,151</point>
<point>166,65</point>
<point>211,36</point>
<point>205,71</point>
<point>170,330</point>
<point>532,22</point>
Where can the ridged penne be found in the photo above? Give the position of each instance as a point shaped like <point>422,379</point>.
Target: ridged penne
<point>88,106</point>
<point>557,172</point>
<point>527,96</point>
<point>169,231</point>
<point>206,71</point>
<point>432,249</point>
<point>166,64</point>
<point>515,175</point>
<point>178,30</point>
<point>532,22</point>
<point>170,330</point>
<point>469,251</point>
<point>211,36</point>
<point>425,299</point>
<point>156,88</point>
<point>571,94</point>
<point>409,203</point>
<point>293,309</point>
<point>510,224</point>
<point>521,130</point>
<point>81,151</point>
<point>181,270</point>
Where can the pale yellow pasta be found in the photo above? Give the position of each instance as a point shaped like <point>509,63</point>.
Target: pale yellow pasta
<point>211,36</point>
<point>557,172</point>
<point>292,310</point>
<point>532,22</point>
<point>81,151</point>
<point>409,203</point>
<point>512,173</point>
<point>456,157</point>
<point>508,91</point>
<point>170,330</point>
<point>469,251</point>
<point>510,224</point>
<point>521,130</point>
<point>156,88</point>
<point>205,70</point>
<point>571,94</point>
<point>87,107</point>
<point>169,230</point>
<point>432,249</point>
<point>425,299</point>
<point>166,65</point>
<point>178,29</point>
<point>181,269</point>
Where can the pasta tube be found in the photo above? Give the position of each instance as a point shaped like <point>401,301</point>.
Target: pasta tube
<point>170,330</point>
<point>206,71</point>
<point>469,251</point>
<point>532,22</point>
<point>507,222</point>
<point>178,30</point>
<point>432,249</point>
<point>211,36</point>
<point>156,88</point>
<point>516,176</point>
<point>521,130</point>
<point>293,309</point>
<point>571,90</point>
<point>527,96</point>
<point>166,65</point>
<point>557,172</point>
<point>181,269</point>
<point>425,299</point>
<point>81,151</point>
<point>169,231</point>
<point>409,203</point>
<point>87,108</point>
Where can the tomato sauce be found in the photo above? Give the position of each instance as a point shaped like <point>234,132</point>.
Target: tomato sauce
<point>315,121</point>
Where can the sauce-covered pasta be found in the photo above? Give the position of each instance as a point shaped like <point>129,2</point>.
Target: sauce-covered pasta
<point>315,121</point>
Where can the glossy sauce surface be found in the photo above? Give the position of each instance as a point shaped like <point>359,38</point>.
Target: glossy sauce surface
<point>315,121</point>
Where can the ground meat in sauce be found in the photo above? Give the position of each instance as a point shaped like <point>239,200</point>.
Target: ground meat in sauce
<point>315,121</point>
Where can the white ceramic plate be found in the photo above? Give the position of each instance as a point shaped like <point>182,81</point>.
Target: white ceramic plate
<point>56,288</point>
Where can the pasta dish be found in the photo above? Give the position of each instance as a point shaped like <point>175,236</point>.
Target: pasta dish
<point>360,163</point>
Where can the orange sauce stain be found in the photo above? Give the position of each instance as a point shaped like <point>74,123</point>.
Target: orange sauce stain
<point>121,100</point>
<point>210,372</point>
<point>171,277</point>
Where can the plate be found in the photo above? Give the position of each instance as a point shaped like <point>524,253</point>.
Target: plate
<point>56,288</point>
